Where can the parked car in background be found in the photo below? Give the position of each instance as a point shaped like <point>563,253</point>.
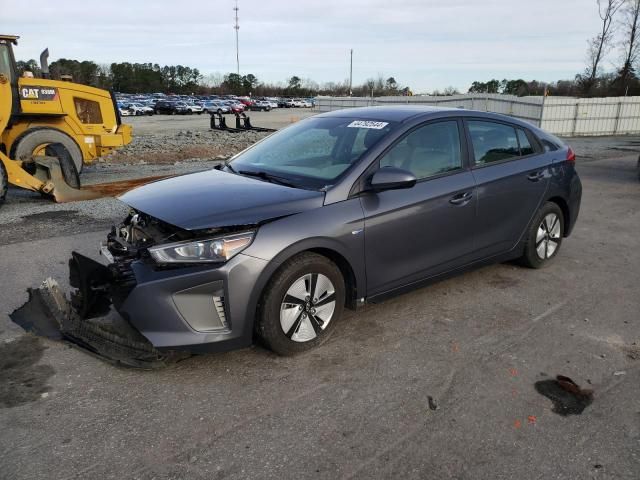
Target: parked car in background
<point>290,103</point>
<point>170,107</point>
<point>194,108</point>
<point>140,109</point>
<point>236,107</point>
<point>217,106</point>
<point>246,101</point>
<point>260,105</point>
<point>273,243</point>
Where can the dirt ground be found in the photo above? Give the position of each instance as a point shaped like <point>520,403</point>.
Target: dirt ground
<point>439,383</point>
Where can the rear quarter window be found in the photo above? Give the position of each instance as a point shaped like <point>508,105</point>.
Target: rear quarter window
<point>525,145</point>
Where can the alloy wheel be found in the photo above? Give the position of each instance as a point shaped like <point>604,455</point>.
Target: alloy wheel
<point>307,307</point>
<point>548,236</point>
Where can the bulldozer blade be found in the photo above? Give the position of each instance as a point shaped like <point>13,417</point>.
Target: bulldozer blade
<point>57,187</point>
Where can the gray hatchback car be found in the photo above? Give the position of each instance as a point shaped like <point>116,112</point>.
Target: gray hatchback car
<point>337,210</point>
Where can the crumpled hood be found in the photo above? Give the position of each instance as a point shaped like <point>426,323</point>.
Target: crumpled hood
<point>214,198</point>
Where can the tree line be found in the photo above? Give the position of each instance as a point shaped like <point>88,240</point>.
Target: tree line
<point>123,77</point>
<point>147,78</point>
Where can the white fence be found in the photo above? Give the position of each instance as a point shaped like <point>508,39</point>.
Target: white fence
<point>565,116</point>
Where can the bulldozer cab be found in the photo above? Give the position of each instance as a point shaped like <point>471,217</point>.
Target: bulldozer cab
<point>8,75</point>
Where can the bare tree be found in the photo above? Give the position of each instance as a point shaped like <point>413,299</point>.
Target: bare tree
<point>600,44</point>
<point>631,25</point>
<point>213,80</point>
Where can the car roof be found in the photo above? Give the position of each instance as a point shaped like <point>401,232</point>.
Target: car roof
<point>401,113</point>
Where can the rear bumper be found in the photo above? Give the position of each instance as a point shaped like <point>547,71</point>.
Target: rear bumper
<point>195,308</point>
<point>575,198</point>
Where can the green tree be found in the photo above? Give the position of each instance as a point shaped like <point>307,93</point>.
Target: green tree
<point>30,65</point>
<point>295,83</point>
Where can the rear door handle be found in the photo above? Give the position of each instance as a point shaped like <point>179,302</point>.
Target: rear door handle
<point>535,176</point>
<point>461,198</point>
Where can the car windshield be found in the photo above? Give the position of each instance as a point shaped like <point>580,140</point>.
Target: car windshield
<point>313,153</point>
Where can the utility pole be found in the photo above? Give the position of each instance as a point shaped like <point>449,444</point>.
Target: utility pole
<point>351,75</point>
<point>236,28</point>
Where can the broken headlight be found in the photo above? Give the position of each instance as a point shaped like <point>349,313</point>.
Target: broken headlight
<point>215,250</point>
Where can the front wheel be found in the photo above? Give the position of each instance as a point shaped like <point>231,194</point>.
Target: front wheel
<point>544,236</point>
<point>301,304</point>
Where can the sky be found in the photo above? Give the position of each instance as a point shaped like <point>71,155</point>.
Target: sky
<point>424,44</point>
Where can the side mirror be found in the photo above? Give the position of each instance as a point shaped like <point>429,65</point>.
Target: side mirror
<point>391,178</point>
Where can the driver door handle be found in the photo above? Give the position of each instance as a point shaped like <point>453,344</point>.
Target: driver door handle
<point>461,198</point>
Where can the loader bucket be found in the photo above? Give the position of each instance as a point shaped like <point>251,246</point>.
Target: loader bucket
<point>57,187</point>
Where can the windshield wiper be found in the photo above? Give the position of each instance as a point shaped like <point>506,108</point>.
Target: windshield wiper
<point>267,176</point>
<point>231,169</point>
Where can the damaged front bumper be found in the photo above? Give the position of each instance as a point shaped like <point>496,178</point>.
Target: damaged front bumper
<point>137,312</point>
<point>195,308</point>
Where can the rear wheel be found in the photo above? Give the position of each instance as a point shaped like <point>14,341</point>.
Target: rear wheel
<point>301,304</point>
<point>544,236</point>
<point>34,142</point>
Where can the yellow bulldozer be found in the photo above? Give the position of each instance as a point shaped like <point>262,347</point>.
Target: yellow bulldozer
<point>50,128</point>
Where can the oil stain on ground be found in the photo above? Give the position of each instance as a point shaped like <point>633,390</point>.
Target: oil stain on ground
<point>567,396</point>
<point>22,379</point>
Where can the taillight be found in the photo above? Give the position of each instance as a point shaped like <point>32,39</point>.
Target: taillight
<point>571,157</point>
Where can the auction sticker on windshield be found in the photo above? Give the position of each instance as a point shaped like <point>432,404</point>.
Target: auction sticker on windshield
<point>367,124</point>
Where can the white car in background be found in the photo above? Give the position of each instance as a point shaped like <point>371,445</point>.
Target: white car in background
<point>139,109</point>
<point>194,108</point>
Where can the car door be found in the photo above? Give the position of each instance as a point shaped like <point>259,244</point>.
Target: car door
<point>512,176</point>
<point>413,233</point>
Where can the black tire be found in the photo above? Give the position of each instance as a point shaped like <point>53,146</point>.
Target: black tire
<point>67,166</point>
<point>268,326</point>
<point>4,183</point>
<point>29,141</point>
<point>531,257</point>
